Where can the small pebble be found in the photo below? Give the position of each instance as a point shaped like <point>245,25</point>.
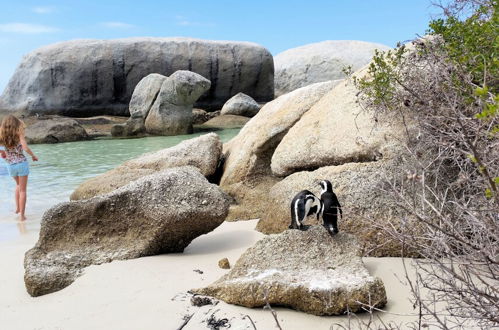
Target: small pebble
<point>224,263</point>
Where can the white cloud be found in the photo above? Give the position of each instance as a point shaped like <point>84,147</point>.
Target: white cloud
<point>117,25</point>
<point>43,10</point>
<point>26,28</point>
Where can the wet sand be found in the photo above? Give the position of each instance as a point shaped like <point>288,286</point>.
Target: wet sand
<point>149,293</point>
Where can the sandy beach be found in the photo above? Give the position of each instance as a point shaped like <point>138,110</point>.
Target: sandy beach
<point>150,292</point>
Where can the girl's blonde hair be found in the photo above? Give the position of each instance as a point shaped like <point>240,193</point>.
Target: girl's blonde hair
<point>9,131</point>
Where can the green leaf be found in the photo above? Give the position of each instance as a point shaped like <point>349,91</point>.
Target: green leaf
<point>488,193</point>
<point>472,158</point>
<point>481,91</point>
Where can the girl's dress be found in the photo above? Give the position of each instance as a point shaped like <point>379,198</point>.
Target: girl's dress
<point>17,164</point>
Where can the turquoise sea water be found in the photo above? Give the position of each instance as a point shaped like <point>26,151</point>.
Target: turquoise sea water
<point>62,167</point>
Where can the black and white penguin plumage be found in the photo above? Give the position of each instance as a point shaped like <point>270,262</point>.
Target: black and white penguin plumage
<point>331,207</point>
<point>304,204</point>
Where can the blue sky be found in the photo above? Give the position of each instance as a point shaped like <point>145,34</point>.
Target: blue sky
<point>277,25</point>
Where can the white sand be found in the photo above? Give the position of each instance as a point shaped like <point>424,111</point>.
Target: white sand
<point>137,294</point>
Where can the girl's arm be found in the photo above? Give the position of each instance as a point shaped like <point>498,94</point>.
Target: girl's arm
<point>22,140</point>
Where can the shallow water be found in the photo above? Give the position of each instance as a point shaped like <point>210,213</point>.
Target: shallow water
<point>62,167</point>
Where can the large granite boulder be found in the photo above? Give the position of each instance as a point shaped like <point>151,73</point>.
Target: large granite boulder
<point>322,61</point>
<point>160,213</point>
<point>357,153</point>
<point>247,171</point>
<point>143,97</point>
<point>305,270</point>
<point>171,113</point>
<point>365,206</point>
<point>250,152</point>
<point>240,105</point>
<point>55,130</point>
<point>92,77</point>
<point>202,152</point>
<point>338,130</point>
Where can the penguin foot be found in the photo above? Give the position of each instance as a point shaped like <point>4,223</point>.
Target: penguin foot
<point>332,231</point>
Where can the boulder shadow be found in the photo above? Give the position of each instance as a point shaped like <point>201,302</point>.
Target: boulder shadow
<point>220,242</point>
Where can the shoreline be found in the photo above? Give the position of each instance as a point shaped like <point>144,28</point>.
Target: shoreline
<point>145,293</point>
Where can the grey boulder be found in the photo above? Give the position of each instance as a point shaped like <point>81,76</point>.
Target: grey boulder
<point>55,130</point>
<point>94,77</point>
<point>202,152</point>
<point>240,105</point>
<point>366,207</point>
<point>337,130</point>
<point>143,97</point>
<point>247,173</point>
<point>171,113</point>
<point>160,213</point>
<point>305,270</point>
<point>322,61</point>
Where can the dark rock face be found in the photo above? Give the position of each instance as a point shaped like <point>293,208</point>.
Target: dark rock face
<point>92,77</point>
<point>306,270</point>
<point>160,213</point>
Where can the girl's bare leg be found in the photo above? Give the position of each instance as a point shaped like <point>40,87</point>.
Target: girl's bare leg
<point>16,178</point>
<point>23,182</point>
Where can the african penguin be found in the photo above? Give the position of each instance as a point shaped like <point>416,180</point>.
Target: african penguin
<point>304,204</point>
<point>331,207</point>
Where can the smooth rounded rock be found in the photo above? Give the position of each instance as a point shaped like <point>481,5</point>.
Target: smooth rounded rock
<point>171,113</point>
<point>247,173</point>
<point>95,77</point>
<point>159,213</point>
<point>240,105</point>
<point>55,130</point>
<point>250,152</point>
<point>202,152</point>
<point>321,61</point>
<point>337,130</point>
<point>144,95</point>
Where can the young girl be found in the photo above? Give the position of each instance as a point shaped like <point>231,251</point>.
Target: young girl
<point>12,137</point>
